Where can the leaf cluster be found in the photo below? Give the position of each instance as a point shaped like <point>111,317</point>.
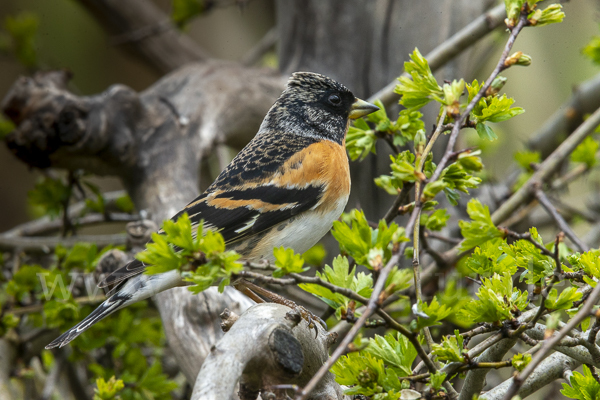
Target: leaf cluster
<point>200,255</point>
<point>375,370</point>
<point>497,300</point>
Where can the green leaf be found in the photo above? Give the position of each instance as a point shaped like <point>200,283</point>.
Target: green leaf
<point>437,220</point>
<point>407,125</point>
<point>435,313</point>
<point>374,371</point>
<point>498,300</point>
<point>421,87</point>
<point>49,196</point>
<point>108,390</point>
<point>360,140</point>
<point>184,10</point>
<point>154,384</point>
<point>6,127</point>
<point>450,349</point>
<point>286,262</point>
<point>22,30</point>
<point>480,229</point>
<point>315,255</point>
<point>550,15</point>
<point>200,256</point>
<point>437,380</point>
<point>358,238</point>
<point>490,258</point>
<point>520,361</point>
<point>340,275</point>
<point>586,152</point>
<point>582,386</point>
<point>394,350</point>
<point>564,301</point>
<point>527,256</point>
<point>526,158</point>
<point>592,50</point>
<point>491,108</point>
<point>125,204</point>
<point>485,132</point>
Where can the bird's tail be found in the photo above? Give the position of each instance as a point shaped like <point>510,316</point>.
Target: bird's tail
<point>137,288</point>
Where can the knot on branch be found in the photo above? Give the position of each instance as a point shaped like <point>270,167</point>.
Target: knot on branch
<point>228,318</point>
<point>139,233</point>
<point>287,351</point>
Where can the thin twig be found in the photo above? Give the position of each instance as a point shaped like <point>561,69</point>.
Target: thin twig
<point>418,206</point>
<point>562,224</point>
<point>501,66</point>
<point>460,41</point>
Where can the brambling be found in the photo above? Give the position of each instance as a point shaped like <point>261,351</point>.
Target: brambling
<point>285,188</point>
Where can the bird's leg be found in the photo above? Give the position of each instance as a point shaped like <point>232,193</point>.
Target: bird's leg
<point>253,291</point>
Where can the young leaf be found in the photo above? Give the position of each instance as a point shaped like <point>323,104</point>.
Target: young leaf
<point>287,262</point>
<point>498,300</point>
<point>527,256</point>
<point>490,258</point>
<point>520,361</point>
<point>450,349</point>
<point>480,229</point>
<point>358,238</point>
<point>340,275</point>
<point>395,350</point>
<point>108,390</point>
<point>422,87</point>
<point>564,301</point>
<point>586,152</point>
<point>429,314</point>
<point>582,386</point>
<point>437,380</point>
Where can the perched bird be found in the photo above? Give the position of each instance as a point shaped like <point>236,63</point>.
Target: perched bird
<point>285,188</point>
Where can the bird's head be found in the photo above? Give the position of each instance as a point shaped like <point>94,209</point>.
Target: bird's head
<point>317,106</point>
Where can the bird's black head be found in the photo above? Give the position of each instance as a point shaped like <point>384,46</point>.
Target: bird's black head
<point>316,106</point>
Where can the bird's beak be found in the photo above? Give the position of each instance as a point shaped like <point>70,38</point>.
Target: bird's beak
<point>360,108</point>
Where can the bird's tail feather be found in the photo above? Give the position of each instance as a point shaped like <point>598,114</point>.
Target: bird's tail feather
<point>108,307</point>
<point>137,288</point>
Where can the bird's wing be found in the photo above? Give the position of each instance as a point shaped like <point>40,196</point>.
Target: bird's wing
<point>267,183</point>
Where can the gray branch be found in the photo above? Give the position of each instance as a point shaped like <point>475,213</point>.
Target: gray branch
<point>549,370</point>
<point>269,345</point>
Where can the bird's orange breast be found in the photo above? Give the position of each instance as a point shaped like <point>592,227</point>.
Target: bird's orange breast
<point>322,163</point>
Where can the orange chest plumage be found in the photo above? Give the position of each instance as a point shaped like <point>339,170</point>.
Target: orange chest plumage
<point>322,164</point>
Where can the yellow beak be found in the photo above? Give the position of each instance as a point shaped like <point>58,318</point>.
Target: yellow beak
<point>360,108</point>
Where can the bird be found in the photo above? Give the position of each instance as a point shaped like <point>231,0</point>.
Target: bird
<point>286,187</point>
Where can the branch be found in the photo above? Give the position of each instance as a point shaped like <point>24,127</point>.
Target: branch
<point>278,340</point>
<point>562,224</point>
<point>569,115</point>
<point>550,343</point>
<point>45,245</point>
<point>148,32</point>
<point>460,41</point>
<point>548,371</point>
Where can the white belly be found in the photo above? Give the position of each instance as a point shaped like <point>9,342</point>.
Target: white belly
<point>300,234</point>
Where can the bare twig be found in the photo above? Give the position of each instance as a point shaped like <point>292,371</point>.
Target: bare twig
<point>562,224</point>
<point>46,244</point>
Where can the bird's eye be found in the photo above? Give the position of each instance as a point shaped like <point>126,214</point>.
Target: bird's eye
<point>334,99</point>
